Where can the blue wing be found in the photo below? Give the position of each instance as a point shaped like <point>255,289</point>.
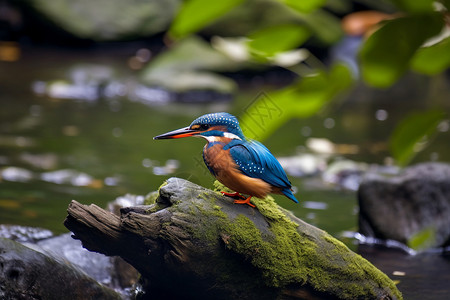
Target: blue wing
<point>255,160</point>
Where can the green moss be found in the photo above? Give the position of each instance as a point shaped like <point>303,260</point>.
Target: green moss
<point>219,187</point>
<point>270,209</point>
<point>289,252</point>
<point>155,207</point>
<point>200,227</point>
<point>357,267</point>
<point>290,257</point>
<point>163,184</point>
<point>274,256</point>
<point>207,197</point>
<point>151,198</point>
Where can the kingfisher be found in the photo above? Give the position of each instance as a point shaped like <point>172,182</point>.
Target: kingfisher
<point>243,165</point>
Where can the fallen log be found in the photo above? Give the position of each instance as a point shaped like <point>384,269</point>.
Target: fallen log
<point>194,243</point>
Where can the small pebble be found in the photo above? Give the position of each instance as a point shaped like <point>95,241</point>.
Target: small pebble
<point>398,273</point>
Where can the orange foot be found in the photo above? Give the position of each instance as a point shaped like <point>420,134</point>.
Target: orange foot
<point>239,196</point>
<point>246,201</point>
<point>233,195</point>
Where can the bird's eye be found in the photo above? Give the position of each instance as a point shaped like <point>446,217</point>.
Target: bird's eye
<point>200,127</point>
<point>204,126</point>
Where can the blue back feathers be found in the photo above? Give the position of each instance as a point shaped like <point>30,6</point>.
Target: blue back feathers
<point>255,160</point>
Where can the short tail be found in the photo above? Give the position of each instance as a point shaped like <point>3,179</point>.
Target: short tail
<point>288,193</point>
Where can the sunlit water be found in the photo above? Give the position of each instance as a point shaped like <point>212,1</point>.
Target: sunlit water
<point>94,150</point>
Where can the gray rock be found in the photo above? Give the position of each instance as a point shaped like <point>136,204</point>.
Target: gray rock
<point>65,248</point>
<point>112,272</point>
<point>412,208</point>
<point>28,274</point>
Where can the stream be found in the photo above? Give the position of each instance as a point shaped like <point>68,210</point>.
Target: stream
<point>64,136</point>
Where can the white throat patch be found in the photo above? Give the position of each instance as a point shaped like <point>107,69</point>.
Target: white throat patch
<point>217,138</point>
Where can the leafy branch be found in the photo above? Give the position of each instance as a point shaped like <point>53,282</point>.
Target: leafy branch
<point>416,38</point>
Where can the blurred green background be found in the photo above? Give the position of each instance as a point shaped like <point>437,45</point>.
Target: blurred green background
<point>334,89</point>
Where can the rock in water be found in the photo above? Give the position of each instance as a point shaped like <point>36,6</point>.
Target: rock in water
<point>412,208</point>
<point>198,241</point>
<point>28,274</point>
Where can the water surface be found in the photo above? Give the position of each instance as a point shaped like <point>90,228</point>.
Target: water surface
<point>94,150</point>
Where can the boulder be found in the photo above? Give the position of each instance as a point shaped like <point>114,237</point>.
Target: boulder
<point>28,274</point>
<point>412,207</point>
<point>97,266</point>
<point>198,241</point>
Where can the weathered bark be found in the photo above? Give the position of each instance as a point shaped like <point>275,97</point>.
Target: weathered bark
<point>195,243</point>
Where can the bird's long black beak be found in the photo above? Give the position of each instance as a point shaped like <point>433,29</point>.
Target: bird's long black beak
<point>176,134</point>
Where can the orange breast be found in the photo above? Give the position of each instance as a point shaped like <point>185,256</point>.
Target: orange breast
<point>227,172</point>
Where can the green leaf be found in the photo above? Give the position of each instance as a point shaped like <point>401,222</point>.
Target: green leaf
<point>190,65</point>
<point>324,26</point>
<point>269,41</point>
<point>386,54</point>
<point>304,6</point>
<point>302,99</point>
<point>415,6</point>
<point>410,132</point>
<point>195,14</point>
<point>423,239</point>
<point>309,96</point>
<point>434,59</point>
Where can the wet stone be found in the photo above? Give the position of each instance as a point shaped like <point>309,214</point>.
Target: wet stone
<point>28,274</point>
<point>412,207</point>
<point>23,233</point>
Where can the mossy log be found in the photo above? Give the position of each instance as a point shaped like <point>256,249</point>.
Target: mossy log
<point>194,243</point>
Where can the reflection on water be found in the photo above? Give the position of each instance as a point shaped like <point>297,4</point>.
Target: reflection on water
<point>24,234</point>
<point>421,276</point>
<point>99,146</point>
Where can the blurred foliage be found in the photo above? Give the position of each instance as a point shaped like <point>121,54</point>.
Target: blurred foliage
<point>324,25</point>
<point>432,60</point>
<point>412,134</point>
<point>416,38</point>
<point>416,6</point>
<point>302,99</point>
<point>387,53</point>
<point>261,43</point>
<point>413,38</point>
<point>423,239</point>
<point>304,6</point>
<point>196,14</point>
<point>188,66</point>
